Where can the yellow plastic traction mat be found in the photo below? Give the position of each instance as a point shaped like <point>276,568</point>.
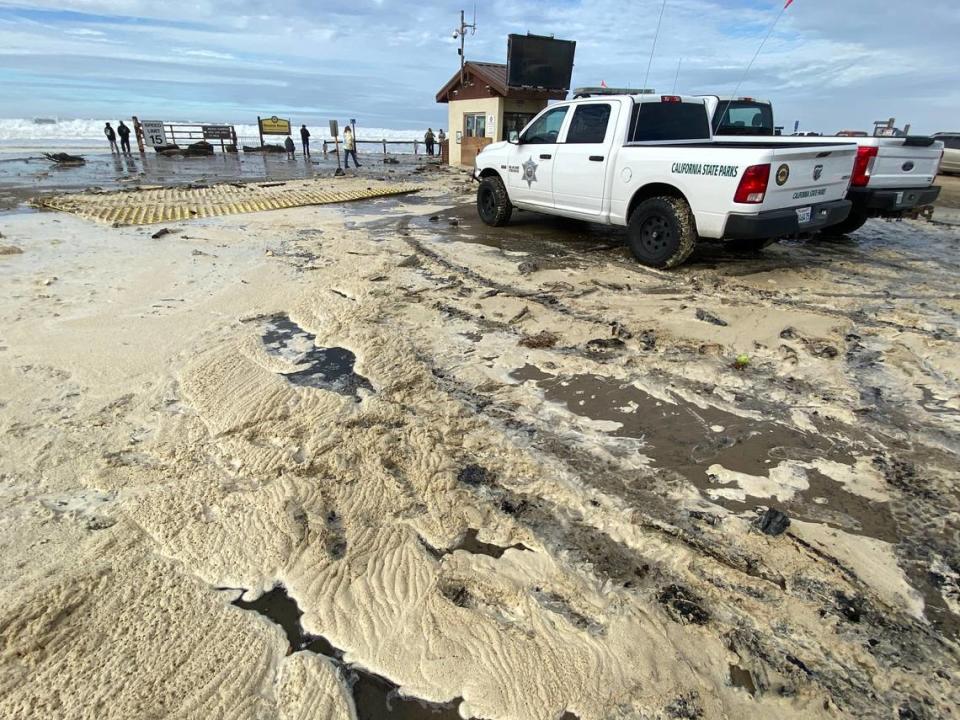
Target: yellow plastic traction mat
<point>170,204</point>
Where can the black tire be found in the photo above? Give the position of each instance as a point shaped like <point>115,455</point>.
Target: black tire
<point>662,232</point>
<point>854,222</point>
<point>493,203</point>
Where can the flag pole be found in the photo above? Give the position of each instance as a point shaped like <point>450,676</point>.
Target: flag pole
<point>755,55</point>
<point>652,49</point>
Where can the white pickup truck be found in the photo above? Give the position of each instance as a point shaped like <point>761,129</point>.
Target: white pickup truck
<point>891,175</point>
<point>650,162</point>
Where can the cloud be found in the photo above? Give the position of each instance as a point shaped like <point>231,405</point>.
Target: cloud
<point>83,32</point>
<point>206,54</point>
<point>828,64</point>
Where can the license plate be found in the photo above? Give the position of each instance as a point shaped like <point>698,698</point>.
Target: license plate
<point>803,215</point>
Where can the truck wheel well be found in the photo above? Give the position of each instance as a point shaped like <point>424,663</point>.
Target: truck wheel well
<point>489,172</point>
<point>653,190</point>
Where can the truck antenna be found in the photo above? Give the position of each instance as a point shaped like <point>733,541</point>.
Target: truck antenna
<point>755,55</point>
<point>676,77</point>
<point>654,47</point>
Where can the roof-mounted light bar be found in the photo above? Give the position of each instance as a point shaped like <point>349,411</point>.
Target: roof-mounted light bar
<point>588,91</point>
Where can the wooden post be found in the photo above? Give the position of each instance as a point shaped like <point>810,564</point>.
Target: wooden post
<point>415,148</point>
<point>138,131</point>
<point>384,147</point>
<point>260,128</point>
<point>324,148</point>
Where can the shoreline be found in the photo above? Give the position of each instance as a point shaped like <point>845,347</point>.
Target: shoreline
<point>21,180</point>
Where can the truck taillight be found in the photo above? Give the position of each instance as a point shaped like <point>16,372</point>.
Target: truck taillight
<point>670,98</point>
<point>863,166</point>
<point>753,185</point>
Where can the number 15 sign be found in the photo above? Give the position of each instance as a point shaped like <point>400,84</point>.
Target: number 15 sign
<point>153,132</point>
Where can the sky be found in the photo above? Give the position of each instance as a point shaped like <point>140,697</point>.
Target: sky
<point>829,64</point>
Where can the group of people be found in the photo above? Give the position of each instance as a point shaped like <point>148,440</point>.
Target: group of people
<point>124,132</point>
<point>349,145</point>
<point>430,139</point>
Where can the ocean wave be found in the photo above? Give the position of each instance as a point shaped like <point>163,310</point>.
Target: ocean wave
<point>40,133</point>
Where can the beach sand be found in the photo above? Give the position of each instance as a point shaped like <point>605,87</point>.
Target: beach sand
<point>511,472</point>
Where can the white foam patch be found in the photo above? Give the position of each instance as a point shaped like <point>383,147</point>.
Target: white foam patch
<point>783,482</point>
<point>874,561</point>
<point>861,478</point>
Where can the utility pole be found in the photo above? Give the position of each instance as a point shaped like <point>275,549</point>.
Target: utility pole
<point>461,33</point>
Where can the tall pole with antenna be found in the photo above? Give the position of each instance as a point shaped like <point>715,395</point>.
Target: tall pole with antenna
<point>461,32</point>
<point>755,55</point>
<point>653,49</point>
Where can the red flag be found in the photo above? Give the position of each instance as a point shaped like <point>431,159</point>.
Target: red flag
<point>789,3</point>
<point>604,84</point>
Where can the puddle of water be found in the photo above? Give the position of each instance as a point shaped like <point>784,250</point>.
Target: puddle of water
<point>326,368</point>
<point>741,678</point>
<point>374,696</point>
<point>472,544</point>
<point>688,439</point>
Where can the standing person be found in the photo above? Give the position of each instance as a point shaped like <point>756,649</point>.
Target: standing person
<point>349,148</point>
<point>124,132</point>
<point>441,136</point>
<point>291,148</point>
<point>428,140</point>
<point>305,140</point>
<point>111,136</point>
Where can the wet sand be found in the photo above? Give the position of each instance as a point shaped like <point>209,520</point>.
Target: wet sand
<point>25,176</point>
<point>295,464</point>
<point>949,191</point>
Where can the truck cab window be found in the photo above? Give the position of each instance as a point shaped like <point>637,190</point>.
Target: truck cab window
<point>589,124</point>
<point>546,128</point>
<point>743,118</point>
<point>665,121</point>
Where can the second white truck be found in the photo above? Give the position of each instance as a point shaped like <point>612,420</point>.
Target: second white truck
<point>892,176</point>
<point>650,163</point>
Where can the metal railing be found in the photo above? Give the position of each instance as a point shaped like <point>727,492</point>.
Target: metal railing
<point>189,133</point>
<point>404,147</point>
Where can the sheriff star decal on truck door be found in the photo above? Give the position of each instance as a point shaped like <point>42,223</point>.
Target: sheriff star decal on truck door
<point>530,171</point>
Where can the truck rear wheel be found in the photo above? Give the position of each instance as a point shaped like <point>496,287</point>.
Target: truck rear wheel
<point>661,232</point>
<point>855,220</point>
<point>493,203</point>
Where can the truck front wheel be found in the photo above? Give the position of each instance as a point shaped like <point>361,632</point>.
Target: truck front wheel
<point>661,232</point>
<point>493,203</point>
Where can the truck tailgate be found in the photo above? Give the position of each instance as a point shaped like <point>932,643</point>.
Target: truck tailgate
<point>808,175</point>
<point>902,165</point>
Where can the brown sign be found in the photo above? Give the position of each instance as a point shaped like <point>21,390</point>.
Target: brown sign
<point>217,132</point>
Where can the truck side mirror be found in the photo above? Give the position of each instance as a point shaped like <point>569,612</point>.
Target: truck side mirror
<point>514,137</point>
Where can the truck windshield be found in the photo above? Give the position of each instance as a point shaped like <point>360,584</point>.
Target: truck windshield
<point>743,117</point>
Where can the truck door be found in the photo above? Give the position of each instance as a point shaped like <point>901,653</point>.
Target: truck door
<point>582,159</point>
<point>531,163</point>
